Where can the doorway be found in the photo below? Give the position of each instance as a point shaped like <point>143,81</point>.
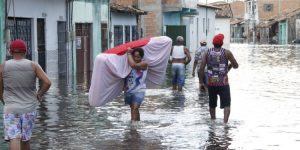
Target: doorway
<point>83,52</point>
<point>173,31</point>
<point>62,49</point>
<point>41,43</point>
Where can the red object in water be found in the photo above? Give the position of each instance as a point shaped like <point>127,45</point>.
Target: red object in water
<point>122,49</point>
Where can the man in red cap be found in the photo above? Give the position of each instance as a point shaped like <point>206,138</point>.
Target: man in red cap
<point>218,66</point>
<point>19,95</point>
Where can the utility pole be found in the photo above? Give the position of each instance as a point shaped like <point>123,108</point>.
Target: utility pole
<point>253,14</point>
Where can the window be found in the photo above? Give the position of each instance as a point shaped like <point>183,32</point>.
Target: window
<point>268,7</point>
<point>134,33</point>
<point>127,34</point>
<point>118,35</point>
<point>104,36</point>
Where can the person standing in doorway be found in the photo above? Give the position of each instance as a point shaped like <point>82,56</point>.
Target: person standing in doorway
<point>135,82</point>
<point>197,62</point>
<point>19,96</point>
<point>180,57</point>
<point>216,60</point>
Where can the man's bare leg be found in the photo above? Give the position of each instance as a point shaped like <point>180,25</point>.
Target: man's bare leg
<point>179,88</point>
<point>25,145</point>
<point>15,144</point>
<point>174,87</point>
<point>226,114</point>
<point>212,112</point>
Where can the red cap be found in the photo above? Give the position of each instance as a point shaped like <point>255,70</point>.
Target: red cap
<point>218,39</point>
<point>18,46</point>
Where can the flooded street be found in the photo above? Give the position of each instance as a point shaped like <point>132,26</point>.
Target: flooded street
<point>265,111</point>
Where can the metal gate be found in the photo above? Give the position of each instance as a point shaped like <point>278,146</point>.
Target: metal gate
<point>62,51</point>
<point>173,31</point>
<point>20,28</point>
<point>41,43</point>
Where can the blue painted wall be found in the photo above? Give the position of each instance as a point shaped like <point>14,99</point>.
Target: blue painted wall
<point>171,18</point>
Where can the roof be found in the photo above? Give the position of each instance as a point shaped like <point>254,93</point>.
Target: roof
<point>266,24</point>
<point>290,14</point>
<point>225,11</point>
<point>236,21</point>
<point>126,9</point>
<point>272,20</point>
<point>207,6</point>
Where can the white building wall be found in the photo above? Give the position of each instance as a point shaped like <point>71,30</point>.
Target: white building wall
<point>43,9</point>
<point>222,25</point>
<point>82,12</point>
<point>205,20</point>
<point>122,19</point>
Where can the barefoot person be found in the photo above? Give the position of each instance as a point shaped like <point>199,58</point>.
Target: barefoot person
<point>19,96</point>
<point>216,60</point>
<point>135,82</point>
<point>180,58</point>
<point>197,62</point>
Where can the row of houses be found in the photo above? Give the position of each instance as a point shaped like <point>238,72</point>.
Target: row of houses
<point>64,36</point>
<point>265,21</point>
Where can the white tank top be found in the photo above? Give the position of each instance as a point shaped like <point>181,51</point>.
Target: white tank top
<point>178,52</point>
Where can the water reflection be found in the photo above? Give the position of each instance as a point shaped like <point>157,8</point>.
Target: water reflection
<point>218,138</point>
<point>265,91</point>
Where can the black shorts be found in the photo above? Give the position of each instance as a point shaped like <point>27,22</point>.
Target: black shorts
<point>223,92</point>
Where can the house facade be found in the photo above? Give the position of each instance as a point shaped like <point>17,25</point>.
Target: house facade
<point>222,24</point>
<point>124,23</point>
<point>65,41</point>
<point>38,25</point>
<point>86,41</point>
<point>171,18</point>
<point>274,21</point>
<point>237,23</point>
<point>203,25</point>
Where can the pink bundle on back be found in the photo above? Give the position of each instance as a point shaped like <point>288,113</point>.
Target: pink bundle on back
<point>111,67</point>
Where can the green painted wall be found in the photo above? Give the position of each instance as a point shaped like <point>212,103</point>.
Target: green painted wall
<point>96,29</point>
<point>283,32</point>
<point>2,44</point>
<point>92,14</point>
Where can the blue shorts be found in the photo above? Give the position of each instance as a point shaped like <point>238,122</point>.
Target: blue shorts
<point>134,98</point>
<point>178,74</point>
<point>19,126</point>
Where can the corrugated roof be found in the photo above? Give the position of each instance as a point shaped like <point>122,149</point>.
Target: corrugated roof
<point>126,9</point>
